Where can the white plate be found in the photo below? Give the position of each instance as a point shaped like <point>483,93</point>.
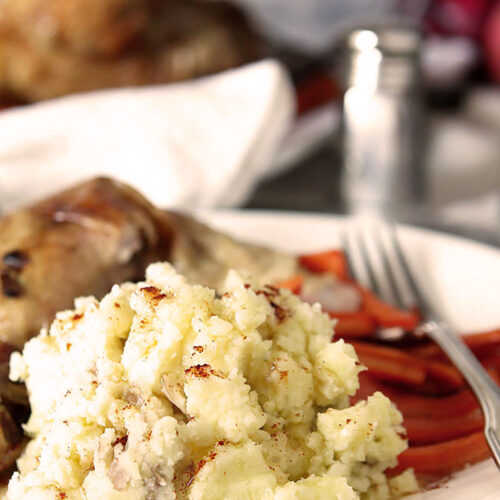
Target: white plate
<point>462,276</point>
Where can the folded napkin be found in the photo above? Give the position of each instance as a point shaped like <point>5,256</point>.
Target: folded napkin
<point>202,143</point>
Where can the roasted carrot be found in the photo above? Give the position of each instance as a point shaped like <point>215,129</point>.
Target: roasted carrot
<point>293,284</point>
<point>415,405</point>
<point>425,430</point>
<point>393,371</point>
<point>332,261</point>
<point>434,388</point>
<point>387,363</point>
<point>441,459</point>
<point>388,353</point>
<point>444,373</point>
<point>385,352</point>
<point>367,386</point>
<point>479,343</point>
<point>491,362</point>
<point>387,315</point>
<point>477,340</point>
<point>427,351</point>
<point>353,324</point>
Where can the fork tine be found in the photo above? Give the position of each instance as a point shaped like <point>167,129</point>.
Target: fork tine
<point>408,273</point>
<point>394,285</point>
<point>371,264</point>
<point>346,247</point>
<point>357,261</point>
<point>374,283</point>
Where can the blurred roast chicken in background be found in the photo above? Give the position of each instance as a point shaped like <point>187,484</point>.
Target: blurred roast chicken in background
<point>50,48</point>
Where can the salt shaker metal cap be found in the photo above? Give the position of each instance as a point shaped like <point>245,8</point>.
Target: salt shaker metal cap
<point>382,120</point>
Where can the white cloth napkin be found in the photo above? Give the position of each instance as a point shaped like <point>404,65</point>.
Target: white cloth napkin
<point>202,143</point>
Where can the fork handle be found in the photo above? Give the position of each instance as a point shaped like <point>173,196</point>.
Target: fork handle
<point>485,389</point>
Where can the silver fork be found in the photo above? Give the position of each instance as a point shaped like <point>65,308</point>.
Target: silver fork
<point>376,259</point>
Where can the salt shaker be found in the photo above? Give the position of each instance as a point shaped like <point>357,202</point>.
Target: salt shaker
<point>382,129</point>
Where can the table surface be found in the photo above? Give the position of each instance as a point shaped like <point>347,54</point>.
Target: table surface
<point>312,186</point>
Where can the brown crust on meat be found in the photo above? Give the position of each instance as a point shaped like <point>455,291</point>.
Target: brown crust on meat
<point>79,242</point>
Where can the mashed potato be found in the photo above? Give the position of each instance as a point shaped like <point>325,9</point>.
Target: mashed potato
<point>164,390</point>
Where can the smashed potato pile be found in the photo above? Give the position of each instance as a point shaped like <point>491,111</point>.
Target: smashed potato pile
<point>165,390</point>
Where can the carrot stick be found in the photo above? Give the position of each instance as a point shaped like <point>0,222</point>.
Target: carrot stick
<point>479,343</point>
<point>424,430</point>
<point>491,362</point>
<point>444,458</point>
<point>445,373</point>
<point>294,284</point>
<point>415,405</point>
<point>476,340</point>
<point>392,371</point>
<point>384,352</point>
<point>427,351</point>
<point>367,386</point>
<point>386,315</point>
<point>387,363</point>
<point>353,324</point>
<point>332,261</point>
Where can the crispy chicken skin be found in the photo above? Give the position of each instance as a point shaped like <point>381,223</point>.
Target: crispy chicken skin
<point>79,242</point>
<point>84,240</point>
<point>50,48</point>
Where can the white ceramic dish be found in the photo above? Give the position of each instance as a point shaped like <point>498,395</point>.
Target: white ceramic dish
<point>462,276</point>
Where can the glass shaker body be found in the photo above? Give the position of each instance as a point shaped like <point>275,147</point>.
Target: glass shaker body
<point>382,128</point>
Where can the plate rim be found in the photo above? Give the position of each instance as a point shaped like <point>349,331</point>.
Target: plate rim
<point>207,213</point>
